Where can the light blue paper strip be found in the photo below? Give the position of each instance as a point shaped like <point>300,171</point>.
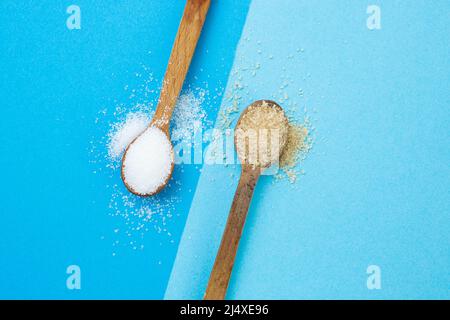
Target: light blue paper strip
<point>376,189</point>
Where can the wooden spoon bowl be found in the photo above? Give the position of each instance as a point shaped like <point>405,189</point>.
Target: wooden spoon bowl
<point>162,186</point>
<point>257,104</point>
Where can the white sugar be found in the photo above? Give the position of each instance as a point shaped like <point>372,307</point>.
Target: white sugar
<point>123,133</point>
<point>189,116</point>
<point>137,215</point>
<point>148,161</point>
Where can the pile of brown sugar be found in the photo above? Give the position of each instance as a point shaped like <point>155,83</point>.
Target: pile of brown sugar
<point>297,146</point>
<point>261,133</point>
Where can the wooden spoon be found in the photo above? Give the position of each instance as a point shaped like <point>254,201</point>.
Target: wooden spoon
<point>180,58</point>
<point>223,265</point>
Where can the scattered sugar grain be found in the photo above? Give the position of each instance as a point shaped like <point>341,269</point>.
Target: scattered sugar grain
<point>297,146</point>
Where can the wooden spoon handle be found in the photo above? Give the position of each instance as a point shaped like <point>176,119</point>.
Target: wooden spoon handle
<point>223,265</point>
<point>182,51</point>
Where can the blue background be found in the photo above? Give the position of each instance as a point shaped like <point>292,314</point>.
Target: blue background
<point>376,189</point>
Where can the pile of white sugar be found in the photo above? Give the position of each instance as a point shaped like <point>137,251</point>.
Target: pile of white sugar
<point>137,215</point>
<point>123,133</point>
<point>148,162</point>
